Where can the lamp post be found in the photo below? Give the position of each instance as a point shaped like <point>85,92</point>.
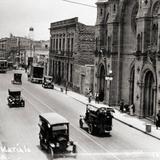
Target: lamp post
<point>67,71</point>
<point>109,78</point>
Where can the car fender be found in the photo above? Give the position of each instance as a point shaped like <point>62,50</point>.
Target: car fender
<point>52,145</point>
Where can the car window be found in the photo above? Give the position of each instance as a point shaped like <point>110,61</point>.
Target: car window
<point>60,129</point>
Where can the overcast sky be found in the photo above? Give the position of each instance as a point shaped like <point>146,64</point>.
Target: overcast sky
<point>17,16</point>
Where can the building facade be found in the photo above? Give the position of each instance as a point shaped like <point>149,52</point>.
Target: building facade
<point>4,47</point>
<point>127,57</point>
<point>17,50</point>
<point>71,57</point>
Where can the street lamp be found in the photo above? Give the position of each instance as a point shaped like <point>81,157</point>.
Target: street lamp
<point>109,78</point>
<point>68,54</point>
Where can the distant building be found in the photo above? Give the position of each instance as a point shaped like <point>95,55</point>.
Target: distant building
<point>17,49</point>
<point>71,55</point>
<point>4,48</point>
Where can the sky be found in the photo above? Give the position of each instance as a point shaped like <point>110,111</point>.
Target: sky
<point>17,16</point>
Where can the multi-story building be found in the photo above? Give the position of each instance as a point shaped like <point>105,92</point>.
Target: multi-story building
<point>127,59</point>
<point>17,49</point>
<point>3,47</point>
<point>71,57</point>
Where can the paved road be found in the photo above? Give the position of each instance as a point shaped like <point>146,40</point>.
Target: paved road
<point>19,128</point>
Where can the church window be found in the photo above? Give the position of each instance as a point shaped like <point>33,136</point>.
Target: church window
<point>101,11</point>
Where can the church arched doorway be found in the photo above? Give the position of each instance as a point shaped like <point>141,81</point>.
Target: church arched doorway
<point>149,95</point>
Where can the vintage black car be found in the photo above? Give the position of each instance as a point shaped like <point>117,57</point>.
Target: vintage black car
<point>97,119</point>
<point>54,134</point>
<point>47,82</point>
<point>17,78</point>
<point>15,99</point>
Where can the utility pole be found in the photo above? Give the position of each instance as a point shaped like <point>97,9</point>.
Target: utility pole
<point>68,53</point>
<point>19,52</point>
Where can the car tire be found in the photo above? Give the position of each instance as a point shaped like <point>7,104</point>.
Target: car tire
<point>91,129</point>
<point>22,103</point>
<point>51,152</point>
<point>41,145</point>
<point>80,123</point>
<point>74,148</point>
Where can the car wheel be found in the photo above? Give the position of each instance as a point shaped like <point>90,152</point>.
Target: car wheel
<point>74,148</point>
<point>41,145</point>
<point>22,103</point>
<point>91,129</point>
<point>52,152</point>
<point>80,123</point>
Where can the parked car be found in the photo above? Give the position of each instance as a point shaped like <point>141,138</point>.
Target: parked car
<point>97,119</point>
<point>17,78</point>
<point>15,99</point>
<point>54,134</point>
<point>48,82</point>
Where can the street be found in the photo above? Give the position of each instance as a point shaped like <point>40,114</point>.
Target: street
<point>19,128</point>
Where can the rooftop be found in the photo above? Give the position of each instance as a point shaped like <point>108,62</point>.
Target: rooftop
<point>101,1</point>
<point>53,118</point>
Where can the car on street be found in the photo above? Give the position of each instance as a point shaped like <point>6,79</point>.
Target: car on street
<point>15,99</point>
<point>48,82</point>
<point>97,119</point>
<point>54,135</point>
<point>17,78</point>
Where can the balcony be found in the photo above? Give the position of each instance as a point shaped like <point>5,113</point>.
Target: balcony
<point>58,53</point>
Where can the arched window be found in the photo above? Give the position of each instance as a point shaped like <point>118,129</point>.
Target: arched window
<point>154,34</point>
<point>114,8</point>
<point>139,43</point>
<point>101,11</point>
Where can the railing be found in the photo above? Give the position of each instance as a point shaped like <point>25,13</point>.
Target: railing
<point>61,53</point>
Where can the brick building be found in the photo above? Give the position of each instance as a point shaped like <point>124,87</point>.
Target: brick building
<point>71,57</point>
<point>127,59</point>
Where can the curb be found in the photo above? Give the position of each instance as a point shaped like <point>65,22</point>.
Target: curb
<point>121,121</point>
<point>125,123</point>
<point>136,128</point>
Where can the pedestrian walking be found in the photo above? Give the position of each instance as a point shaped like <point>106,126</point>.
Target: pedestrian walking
<point>131,110</point>
<point>122,105</point>
<point>158,119</point>
<point>97,97</point>
<point>89,95</point>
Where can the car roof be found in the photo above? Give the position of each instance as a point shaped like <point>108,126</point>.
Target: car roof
<point>97,106</point>
<point>14,90</point>
<point>17,73</point>
<point>48,76</point>
<point>53,118</point>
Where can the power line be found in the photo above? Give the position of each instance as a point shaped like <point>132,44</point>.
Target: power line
<point>87,5</point>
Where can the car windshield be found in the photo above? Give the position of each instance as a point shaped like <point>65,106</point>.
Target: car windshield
<point>15,94</point>
<point>59,129</point>
<point>48,79</point>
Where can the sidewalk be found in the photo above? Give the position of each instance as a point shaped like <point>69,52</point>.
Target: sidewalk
<point>132,121</point>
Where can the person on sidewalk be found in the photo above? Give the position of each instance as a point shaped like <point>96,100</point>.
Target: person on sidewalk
<point>121,105</point>
<point>158,119</point>
<point>131,109</point>
<point>97,97</point>
<point>89,95</point>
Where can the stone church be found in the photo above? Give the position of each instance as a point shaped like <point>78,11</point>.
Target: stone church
<point>127,56</point>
